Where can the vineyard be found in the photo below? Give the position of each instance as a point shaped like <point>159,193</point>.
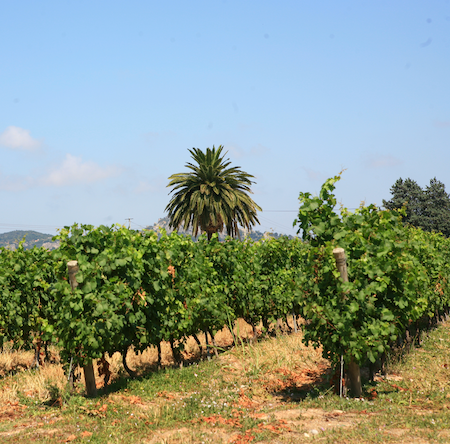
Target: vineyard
<point>135,289</point>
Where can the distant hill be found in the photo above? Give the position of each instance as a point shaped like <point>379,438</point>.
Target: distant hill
<point>11,239</point>
<point>32,238</point>
<point>254,235</point>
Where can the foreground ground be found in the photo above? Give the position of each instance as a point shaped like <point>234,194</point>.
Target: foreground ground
<point>274,391</point>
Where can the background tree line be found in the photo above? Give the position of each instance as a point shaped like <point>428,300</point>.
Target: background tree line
<point>427,208</point>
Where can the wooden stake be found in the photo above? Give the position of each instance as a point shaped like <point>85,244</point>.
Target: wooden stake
<point>354,373</point>
<point>89,380</point>
<point>207,347</point>
<point>354,376</point>
<point>88,369</point>
<point>341,263</point>
<point>294,318</point>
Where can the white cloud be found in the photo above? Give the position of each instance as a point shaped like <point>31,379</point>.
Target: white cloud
<point>233,151</point>
<point>71,171</point>
<point>145,187</point>
<point>74,171</point>
<point>15,183</point>
<point>18,138</point>
<point>314,174</point>
<point>380,161</point>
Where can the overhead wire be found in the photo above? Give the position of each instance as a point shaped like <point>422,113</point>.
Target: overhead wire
<point>4,227</point>
<point>140,226</point>
<point>274,223</point>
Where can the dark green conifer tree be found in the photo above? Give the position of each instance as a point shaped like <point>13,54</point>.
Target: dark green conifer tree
<point>427,208</point>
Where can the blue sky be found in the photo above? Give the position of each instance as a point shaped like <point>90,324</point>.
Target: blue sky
<point>100,102</point>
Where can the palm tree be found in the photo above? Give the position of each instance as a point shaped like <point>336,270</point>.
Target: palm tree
<point>211,195</point>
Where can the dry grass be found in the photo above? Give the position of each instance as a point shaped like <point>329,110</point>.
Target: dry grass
<point>21,380</point>
<point>147,360</point>
<point>278,364</point>
<point>12,361</point>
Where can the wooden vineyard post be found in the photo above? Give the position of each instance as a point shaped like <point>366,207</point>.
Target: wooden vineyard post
<point>341,263</point>
<point>88,370</point>
<point>354,374</point>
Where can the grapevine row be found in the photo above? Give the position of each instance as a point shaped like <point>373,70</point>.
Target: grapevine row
<point>138,289</point>
<point>135,289</point>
